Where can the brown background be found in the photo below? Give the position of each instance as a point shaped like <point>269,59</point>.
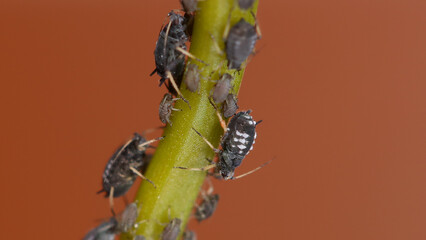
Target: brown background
<point>340,86</point>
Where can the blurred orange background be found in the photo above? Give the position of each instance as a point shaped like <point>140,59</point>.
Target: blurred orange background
<point>340,86</point>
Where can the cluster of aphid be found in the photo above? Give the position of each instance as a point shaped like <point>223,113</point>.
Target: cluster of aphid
<point>131,160</point>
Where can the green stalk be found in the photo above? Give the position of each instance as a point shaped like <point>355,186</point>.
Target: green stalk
<point>176,189</point>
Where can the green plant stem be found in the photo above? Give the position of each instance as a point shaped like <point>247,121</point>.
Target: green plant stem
<point>176,189</point>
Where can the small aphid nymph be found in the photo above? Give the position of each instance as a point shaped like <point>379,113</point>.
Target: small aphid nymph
<point>128,218</point>
<point>172,230</point>
<point>166,108</point>
<point>222,88</point>
<point>207,207</point>
<point>240,43</point>
<point>192,79</point>
<point>230,106</point>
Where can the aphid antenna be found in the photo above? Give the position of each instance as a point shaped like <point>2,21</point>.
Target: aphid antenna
<point>207,141</point>
<point>134,170</point>
<point>142,147</point>
<point>190,55</point>
<point>222,122</point>
<point>252,171</point>
<point>172,80</point>
<point>216,45</point>
<point>167,35</point>
<point>111,200</point>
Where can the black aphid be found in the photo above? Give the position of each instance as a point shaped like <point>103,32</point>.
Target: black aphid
<point>192,79</point>
<point>245,4</point>
<point>236,143</point>
<point>128,218</point>
<point>222,88</point>
<point>105,231</point>
<point>167,56</point>
<point>230,106</point>
<point>189,235</point>
<point>240,43</point>
<point>124,166</point>
<point>172,230</point>
<point>206,207</point>
<point>166,108</point>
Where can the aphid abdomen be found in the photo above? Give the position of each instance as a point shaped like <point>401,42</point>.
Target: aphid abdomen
<point>239,137</point>
<point>240,43</point>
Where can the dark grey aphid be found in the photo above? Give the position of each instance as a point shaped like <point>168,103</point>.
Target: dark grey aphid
<point>230,106</point>
<point>192,79</point>
<point>189,235</point>
<point>172,230</point>
<point>119,173</point>
<point>166,108</point>
<point>222,88</point>
<point>207,207</point>
<point>240,43</point>
<point>128,218</point>
<point>167,57</point>
<point>245,4</point>
<point>105,231</point>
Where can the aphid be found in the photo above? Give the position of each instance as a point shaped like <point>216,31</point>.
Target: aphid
<point>207,205</point>
<point>167,56</point>
<point>240,43</point>
<point>172,230</point>
<point>128,218</point>
<point>245,4</point>
<point>123,167</point>
<point>166,108</point>
<point>222,88</point>
<point>189,235</point>
<point>230,106</point>
<point>105,231</point>
<point>192,79</point>
<point>236,143</point>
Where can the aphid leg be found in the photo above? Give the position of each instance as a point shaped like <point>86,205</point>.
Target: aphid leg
<point>222,122</point>
<point>252,171</point>
<point>207,141</point>
<point>216,45</point>
<point>256,23</point>
<point>203,169</point>
<point>111,200</point>
<point>142,146</point>
<point>211,188</point>
<point>142,176</point>
<point>172,80</point>
<point>165,38</point>
<point>183,51</point>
